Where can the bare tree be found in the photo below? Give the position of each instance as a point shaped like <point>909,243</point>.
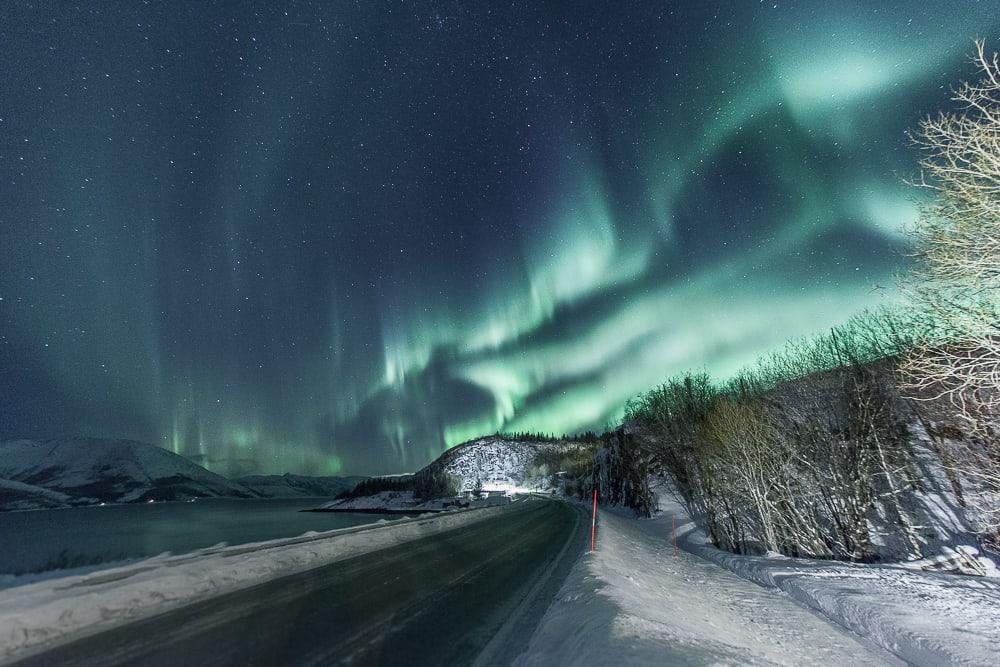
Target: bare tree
<point>956,284</point>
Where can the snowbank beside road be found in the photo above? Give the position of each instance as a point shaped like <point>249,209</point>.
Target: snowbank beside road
<point>38,615</point>
<point>501,463</point>
<point>636,601</point>
<point>925,618</point>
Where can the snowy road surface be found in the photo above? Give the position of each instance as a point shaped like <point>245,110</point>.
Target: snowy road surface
<point>435,600</point>
<point>471,586</point>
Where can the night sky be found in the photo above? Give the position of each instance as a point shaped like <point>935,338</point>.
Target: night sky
<point>339,237</point>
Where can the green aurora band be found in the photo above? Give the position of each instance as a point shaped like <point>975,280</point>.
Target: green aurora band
<point>742,189</point>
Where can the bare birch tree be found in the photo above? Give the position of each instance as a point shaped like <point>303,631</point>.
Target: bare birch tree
<point>956,284</point>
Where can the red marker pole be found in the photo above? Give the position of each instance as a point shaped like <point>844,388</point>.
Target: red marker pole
<point>673,532</point>
<point>593,523</point>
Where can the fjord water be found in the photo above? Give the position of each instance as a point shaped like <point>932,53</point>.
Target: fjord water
<point>36,541</point>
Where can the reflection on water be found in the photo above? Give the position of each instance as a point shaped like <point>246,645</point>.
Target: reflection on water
<point>56,539</point>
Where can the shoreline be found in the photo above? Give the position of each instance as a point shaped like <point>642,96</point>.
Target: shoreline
<point>379,510</point>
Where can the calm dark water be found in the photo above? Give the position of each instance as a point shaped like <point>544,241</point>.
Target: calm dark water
<point>56,539</point>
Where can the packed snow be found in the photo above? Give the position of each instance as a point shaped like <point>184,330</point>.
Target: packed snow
<point>42,614</point>
<point>639,599</point>
<point>495,464</point>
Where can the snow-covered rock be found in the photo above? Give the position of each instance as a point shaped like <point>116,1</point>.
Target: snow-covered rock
<point>297,486</point>
<point>499,462</point>
<point>89,470</point>
<point>499,465</point>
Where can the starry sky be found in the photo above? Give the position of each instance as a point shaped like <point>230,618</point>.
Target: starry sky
<point>340,237</point>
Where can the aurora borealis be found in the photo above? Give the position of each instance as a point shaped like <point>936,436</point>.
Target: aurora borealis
<point>340,237</point>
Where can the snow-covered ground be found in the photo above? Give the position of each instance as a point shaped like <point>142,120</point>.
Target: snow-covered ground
<point>47,612</point>
<point>638,601</point>
<point>926,618</point>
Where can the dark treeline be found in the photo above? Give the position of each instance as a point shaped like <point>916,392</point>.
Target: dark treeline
<point>530,436</point>
<point>428,483</point>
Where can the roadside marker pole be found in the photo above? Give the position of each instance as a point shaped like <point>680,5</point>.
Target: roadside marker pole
<point>673,532</point>
<point>593,523</point>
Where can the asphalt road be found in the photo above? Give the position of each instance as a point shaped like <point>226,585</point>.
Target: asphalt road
<point>440,600</point>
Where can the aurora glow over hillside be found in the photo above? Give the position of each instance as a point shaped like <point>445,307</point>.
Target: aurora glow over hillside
<point>340,237</point>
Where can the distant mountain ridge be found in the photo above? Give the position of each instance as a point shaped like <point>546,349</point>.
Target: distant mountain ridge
<point>293,486</point>
<point>42,474</point>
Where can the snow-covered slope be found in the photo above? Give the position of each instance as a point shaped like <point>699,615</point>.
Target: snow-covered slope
<point>20,496</point>
<point>498,462</point>
<point>931,504</point>
<point>100,470</point>
<point>296,486</point>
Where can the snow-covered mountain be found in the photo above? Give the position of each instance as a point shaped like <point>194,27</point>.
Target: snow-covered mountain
<point>51,473</point>
<point>41,474</point>
<point>296,486</point>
